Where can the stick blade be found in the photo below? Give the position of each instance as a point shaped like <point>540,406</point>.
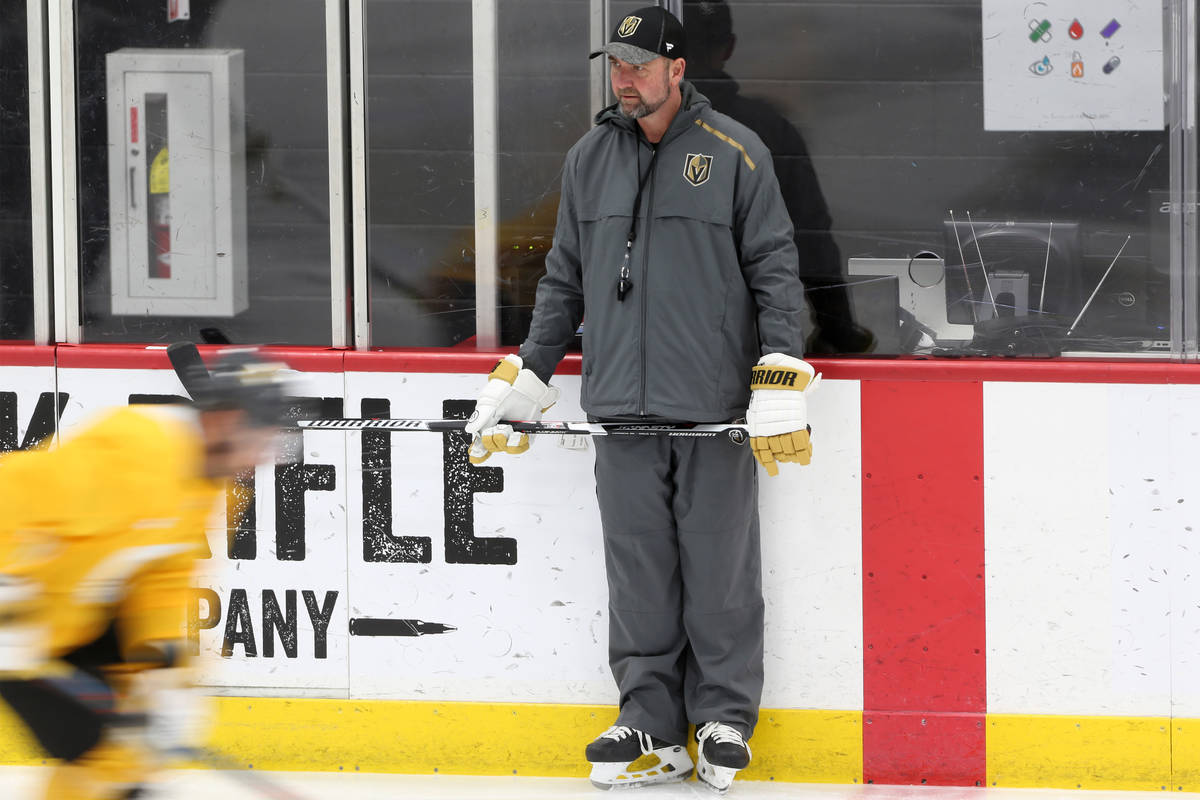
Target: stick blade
<point>189,366</point>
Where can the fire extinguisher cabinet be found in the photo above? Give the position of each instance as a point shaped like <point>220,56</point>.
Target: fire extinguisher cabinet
<point>177,182</point>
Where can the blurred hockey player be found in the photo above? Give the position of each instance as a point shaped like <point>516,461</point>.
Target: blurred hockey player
<point>98,540</point>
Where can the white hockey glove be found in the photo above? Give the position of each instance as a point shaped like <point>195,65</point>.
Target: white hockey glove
<point>778,413</point>
<point>178,714</point>
<point>512,393</point>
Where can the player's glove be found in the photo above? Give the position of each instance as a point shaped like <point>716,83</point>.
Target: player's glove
<point>778,413</point>
<point>512,393</point>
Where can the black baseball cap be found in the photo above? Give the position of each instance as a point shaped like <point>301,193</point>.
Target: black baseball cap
<point>645,35</point>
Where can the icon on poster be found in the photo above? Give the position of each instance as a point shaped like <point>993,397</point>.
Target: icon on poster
<point>1039,31</point>
<point>1112,64</point>
<point>1043,67</point>
<point>1076,65</point>
<point>1109,29</point>
<point>1076,30</point>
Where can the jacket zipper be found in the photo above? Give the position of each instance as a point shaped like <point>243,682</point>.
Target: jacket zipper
<point>646,280</point>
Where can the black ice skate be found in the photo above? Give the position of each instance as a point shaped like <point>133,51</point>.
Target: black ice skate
<point>723,752</point>
<point>625,757</point>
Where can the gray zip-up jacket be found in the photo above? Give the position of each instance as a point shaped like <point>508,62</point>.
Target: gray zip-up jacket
<point>713,266</point>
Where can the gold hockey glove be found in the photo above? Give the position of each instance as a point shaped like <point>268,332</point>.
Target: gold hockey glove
<point>778,413</point>
<point>512,393</point>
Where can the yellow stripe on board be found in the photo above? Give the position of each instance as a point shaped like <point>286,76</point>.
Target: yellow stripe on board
<point>1185,755</point>
<point>477,738</point>
<point>727,140</point>
<point>805,746</point>
<point>1032,751</point>
<point>1079,752</point>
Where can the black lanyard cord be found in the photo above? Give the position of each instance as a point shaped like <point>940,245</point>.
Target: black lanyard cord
<point>624,284</point>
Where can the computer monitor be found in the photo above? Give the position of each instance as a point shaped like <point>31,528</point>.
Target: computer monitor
<point>921,286</point>
<point>1033,269</point>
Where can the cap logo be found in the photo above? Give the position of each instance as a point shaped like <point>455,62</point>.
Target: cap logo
<point>670,46</point>
<point>697,168</point>
<point>629,25</point>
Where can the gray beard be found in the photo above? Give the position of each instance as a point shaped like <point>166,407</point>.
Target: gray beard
<point>642,109</point>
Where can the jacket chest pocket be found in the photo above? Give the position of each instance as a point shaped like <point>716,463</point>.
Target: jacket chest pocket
<point>604,196</point>
<point>695,186</point>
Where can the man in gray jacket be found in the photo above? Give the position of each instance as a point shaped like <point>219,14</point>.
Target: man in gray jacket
<point>674,237</point>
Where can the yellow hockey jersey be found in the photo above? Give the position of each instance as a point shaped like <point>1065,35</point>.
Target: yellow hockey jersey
<point>104,528</point>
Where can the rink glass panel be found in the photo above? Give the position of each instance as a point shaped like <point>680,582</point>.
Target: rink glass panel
<point>420,172</point>
<point>284,206</point>
<point>544,109</point>
<point>875,115</point>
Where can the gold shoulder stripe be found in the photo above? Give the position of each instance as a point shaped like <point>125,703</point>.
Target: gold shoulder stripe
<point>727,140</point>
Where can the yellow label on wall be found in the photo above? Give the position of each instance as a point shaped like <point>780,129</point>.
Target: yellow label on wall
<point>160,173</point>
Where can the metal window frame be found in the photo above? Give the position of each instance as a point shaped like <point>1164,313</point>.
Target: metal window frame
<point>39,124</point>
<point>358,174</point>
<point>341,332</point>
<point>64,171</point>
<point>597,34</point>
<point>1185,265</point>
<point>485,90</point>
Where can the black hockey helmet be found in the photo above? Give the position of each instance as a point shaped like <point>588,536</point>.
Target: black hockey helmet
<point>242,380</point>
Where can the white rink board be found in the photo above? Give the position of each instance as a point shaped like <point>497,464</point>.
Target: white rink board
<point>1089,559</point>
<point>20,393</point>
<point>530,631</point>
<point>812,562</point>
<point>1092,607</point>
<point>534,630</point>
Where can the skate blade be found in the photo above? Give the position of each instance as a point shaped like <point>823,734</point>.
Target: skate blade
<point>630,785</point>
<point>717,779</point>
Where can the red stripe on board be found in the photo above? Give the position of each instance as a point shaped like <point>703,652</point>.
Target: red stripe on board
<point>923,586</point>
<point>1008,369</point>
<point>464,359</point>
<point>141,356</point>
<point>26,355</point>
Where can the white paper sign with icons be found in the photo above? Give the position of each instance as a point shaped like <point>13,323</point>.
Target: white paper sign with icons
<point>1073,65</point>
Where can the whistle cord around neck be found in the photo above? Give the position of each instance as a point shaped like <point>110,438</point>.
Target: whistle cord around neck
<point>624,284</point>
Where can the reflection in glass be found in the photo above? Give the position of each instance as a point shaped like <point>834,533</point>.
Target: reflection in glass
<point>894,126</point>
<point>544,111</point>
<point>421,235</point>
<point>16,232</point>
<point>711,45</point>
<point>232,234</point>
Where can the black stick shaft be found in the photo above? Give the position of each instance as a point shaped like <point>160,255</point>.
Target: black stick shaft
<point>735,432</point>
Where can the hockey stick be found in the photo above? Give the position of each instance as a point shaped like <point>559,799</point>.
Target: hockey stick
<point>185,358</point>
<point>189,366</point>
<point>735,432</point>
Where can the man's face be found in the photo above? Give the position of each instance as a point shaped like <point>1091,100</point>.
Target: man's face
<point>641,89</point>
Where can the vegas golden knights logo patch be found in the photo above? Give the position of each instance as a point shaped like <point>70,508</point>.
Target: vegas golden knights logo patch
<point>697,168</point>
<point>628,26</point>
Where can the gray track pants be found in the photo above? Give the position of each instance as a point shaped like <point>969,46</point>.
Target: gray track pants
<point>681,544</point>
